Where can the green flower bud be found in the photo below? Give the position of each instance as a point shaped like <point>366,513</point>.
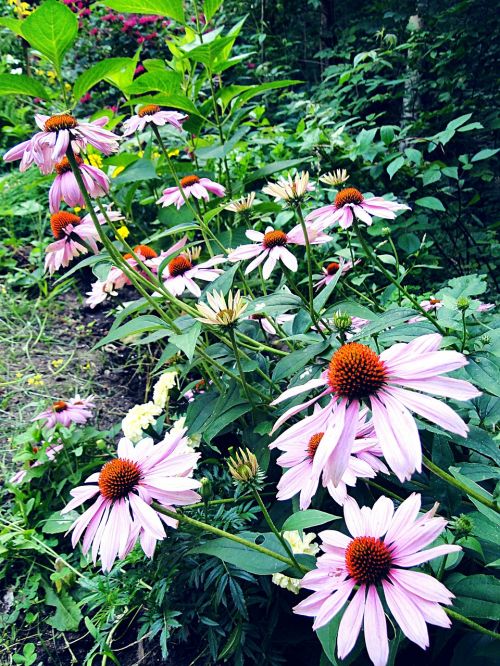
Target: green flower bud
<point>206,489</point>
<point>463,525</point>
<point>342,321</point>
<point>463,303</point>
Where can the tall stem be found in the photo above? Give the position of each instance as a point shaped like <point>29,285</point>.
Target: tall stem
<point>240,369</point>
<point>470,623</point>
<point>458,484</point>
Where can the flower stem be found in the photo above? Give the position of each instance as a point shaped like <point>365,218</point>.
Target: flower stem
<point>464,333</point>
<point>458,484</point>
<point>221,533</point>
<point>240,369</point>
<point>274,529</point>
<point>470,623</point>
<point>373,257</point>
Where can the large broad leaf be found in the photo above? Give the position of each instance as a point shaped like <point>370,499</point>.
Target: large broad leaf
<point>138,172</point>
<point>186,341</point>
<point>68,615</point>
<point>106,70</point>
<point>244,557</point>
<point>431,202</point>
<point>19,84</point>
<point>477,596</point>
<point>51,29</point>
<point>295,361</point>
<point>134,327</point>
<point>171,8</point>
<point>483,370</point>
<point>275,304</point>
<point>157,80</point>
<point>210,7</point>
<point>309,518</point>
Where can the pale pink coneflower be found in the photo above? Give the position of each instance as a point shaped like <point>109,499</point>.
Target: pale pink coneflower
<point>350,204</point>
<point>65,188</point>
<point>271,247</point>
<point>74,236</point>
<point>76,410</point>
<point>182,271</point>
<point>300,443</point>
<point>356,373</point>
<point>51,452</point>
<point>383,544</point>
<point>192,186</point>
<point>48,147</point>
<point>152,113</point>
<point>330,271</point>
<point>125,488</point>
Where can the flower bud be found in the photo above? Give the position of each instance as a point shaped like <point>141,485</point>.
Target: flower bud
<point>342,321</point>
<point>463,525</point>
<point>206,489</point>
<point>244,468</point>
<point>463,303</point>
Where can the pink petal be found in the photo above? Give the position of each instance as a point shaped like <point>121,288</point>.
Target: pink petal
<point>350,625</point>
<point>375,629</point>
<point>406,614</point>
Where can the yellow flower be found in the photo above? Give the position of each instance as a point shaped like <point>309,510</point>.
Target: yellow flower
<point>123,232</point>
<point>51,74</point>
<point>36,380</point>
<point>95,160</point>
<point>138,419</point>
<point>117,171</point>
<point>299,546</point>
<point>140,153</point>
<point>77,209</point>
<point>173,153</point>
<point>155,155</point>
<point>57,362</point>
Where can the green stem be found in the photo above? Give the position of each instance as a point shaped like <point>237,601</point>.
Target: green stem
<point>240,369</point>
<point>464,333</point>
<point>303,225</point>
<point>221,533</point>
<point>373,257</point>
<point>396,257</point>
<point>275,530</point>
<point>470,623</point>
<point>458,484</point>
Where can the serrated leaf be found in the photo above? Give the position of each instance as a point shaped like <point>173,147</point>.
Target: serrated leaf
<point>68,615</point>
<point>51,29</point>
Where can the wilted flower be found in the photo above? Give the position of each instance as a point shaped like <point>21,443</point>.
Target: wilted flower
<point>76,410</point>
<point>290,189</point>
<point>357,374</point>
<point>220,313</point>
<point>383,545</point>
<point>350,204</point>
<point>163,386</point>
<point>241,205</point>
<point>125,488</point>
<point>335,178</point>
<point>65,188</point>
<point>48,147</point>
<point>300,546</point>
<point>138,419</point>
<point>151,113</point>
<point>194,186</point>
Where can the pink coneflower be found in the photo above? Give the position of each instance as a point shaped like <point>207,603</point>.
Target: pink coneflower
<point>51,452</point>
<point>485,307</point>
<point>182,271</point>
<point>271,247</point>
<point>65,188</point>
<point>350,204</point>
<point>267,325</point>
<point>192,186</point>
<point>77,410</point>
<point>48,147</point>
<point>74,236</point>
<point>332,268</point>
<point>356,373</point>
<point>151,113</point>
<point>300,443</point>
<point>125,488</point>
<point>382,545</point>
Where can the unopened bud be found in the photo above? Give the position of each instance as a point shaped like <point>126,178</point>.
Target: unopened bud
<point>386,231</point>
<point>244,468</point>
<point>101,444</point>
<point>206,489</point>
<point>463,303</point>
<point>342,321</point>
<point>462,525</point>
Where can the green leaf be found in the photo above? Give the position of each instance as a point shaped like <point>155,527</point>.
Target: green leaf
<point>138,325</point>
<point>309,518</point>
<point>162,81</point>
<point>484,154</point>
<point>67,616</point>
<point>171,8</point>
<point>430,202</point>
<point>274,167</point>
<point>253,91</point>
<point>387,134</point>
<point>328,637</point>
<point>137,172</point>
<point>295,361</point>
<point>395,166</point>
<point>477,596</point>
<point>210,7</point>
<point>480,441</point>
<point>223,283</point>
<point>186,342</point>
<point>15,25</point>
<point>457,122</point>
<point>106,70</point>
<point>228,408</point>
<point>274,304</point>
<point>51,29</point>
<point>483,370</point>
<point>19,84</point>
<point>326,292</point>
<point>55,523</point>
<point>244,557</point>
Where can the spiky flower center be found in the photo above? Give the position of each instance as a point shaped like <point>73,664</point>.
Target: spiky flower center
<point>434,301</point>
<point>118,478</point>
<point>274,239</point>
<point>349,195</point>
<point>313,444</point>
<point>59,221</point>
<point>145,251</point>
<point>189,180</point>
<point>59,406</point>
<point>148,110</point>
<point>332,268</point>
<point>61,121</point>
<point>64,166</point>
<point>368,560</point>
<point>179,265</point>
<point>356,372</point>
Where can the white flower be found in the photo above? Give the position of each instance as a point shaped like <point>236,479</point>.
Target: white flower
<point>290,189</point>
<point>162,388</point>
<point>240,205</point>
<point>220,313</point>
<point>335,178</point>
<point>299,546</point>
<point>138,419</point>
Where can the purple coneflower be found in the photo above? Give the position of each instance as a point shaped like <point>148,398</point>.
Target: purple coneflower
<point>76,410</point>
<point>192,186</point>
<point>152,113</point>
<point>65,188</point>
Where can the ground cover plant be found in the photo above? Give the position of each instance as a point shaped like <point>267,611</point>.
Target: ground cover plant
<point>249,337</point>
